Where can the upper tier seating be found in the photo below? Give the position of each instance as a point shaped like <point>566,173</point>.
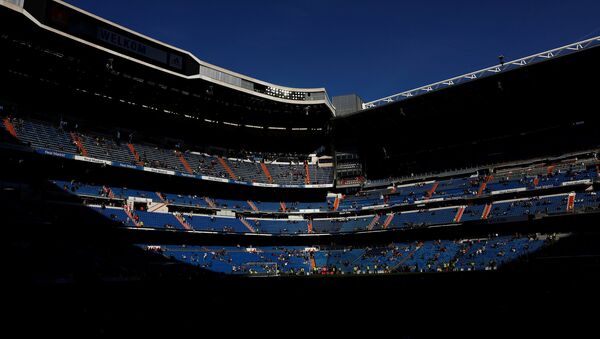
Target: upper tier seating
<point>107,149</point>
<point>45,136</point>
<point>289,174</point>
<point>154,156</point>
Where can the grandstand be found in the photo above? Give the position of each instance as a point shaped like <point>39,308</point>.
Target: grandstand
<point>64,142</point>
<point>123,167</point>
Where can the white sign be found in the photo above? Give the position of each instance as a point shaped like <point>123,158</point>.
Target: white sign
<point>577,182</point>
<point>512,190</point>
<point>158,170</point>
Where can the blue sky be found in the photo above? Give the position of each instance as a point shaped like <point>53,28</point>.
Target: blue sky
<point>372,48</point>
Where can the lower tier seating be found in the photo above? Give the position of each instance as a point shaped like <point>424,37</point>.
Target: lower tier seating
<point>429,256</point>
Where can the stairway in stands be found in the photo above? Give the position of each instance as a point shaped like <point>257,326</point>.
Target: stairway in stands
<point>247,224</point>
<point>266,172</point>
<point>227,168</point>
<point>307,170</point>
<point>336,203</point>
<point>407,257</point>
<point>182,221</point>
<point>131,217</point>
<point>373,222</point>
<point>388,220</point>
<point>459,214</point>
<point>484,184</point>
<point>432,190</point>
<point>10,128</point>
<point>571,202</point>
<point>158,206</point>
<point>210,202</point>
<point>136,155</point>
<point>252,205</point>
<point>77,140</point>
<point>185,163</point>
<point>486,211</point>
<point>313,262</point>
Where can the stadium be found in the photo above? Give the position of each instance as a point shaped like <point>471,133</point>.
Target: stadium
<point>137,178</point>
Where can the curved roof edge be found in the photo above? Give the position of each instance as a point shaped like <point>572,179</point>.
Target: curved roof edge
<point>206,71</point>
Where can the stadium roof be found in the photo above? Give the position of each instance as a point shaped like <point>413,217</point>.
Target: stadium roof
<point>128,44</point>
<point>499,68</point>
<point>111,38</point>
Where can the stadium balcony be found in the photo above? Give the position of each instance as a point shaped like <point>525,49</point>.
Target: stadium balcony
<point>339,225</point>
<point>194,201</point>
<point>247,171</point>
<point>156,157</point>
<point>205,164</point>
<point>472,213</point>
<point>47,139</point>
<point>215,224</point>
<point>43,136</point>
<point>424,218</point>
<point>465,188</point>
<point>280,226</point>
<point>587,201</point>
<point>498,211</point>
<point>107,149</point>
<point>501,172</point>
<point>288,174</point>
<point>546,196</point>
